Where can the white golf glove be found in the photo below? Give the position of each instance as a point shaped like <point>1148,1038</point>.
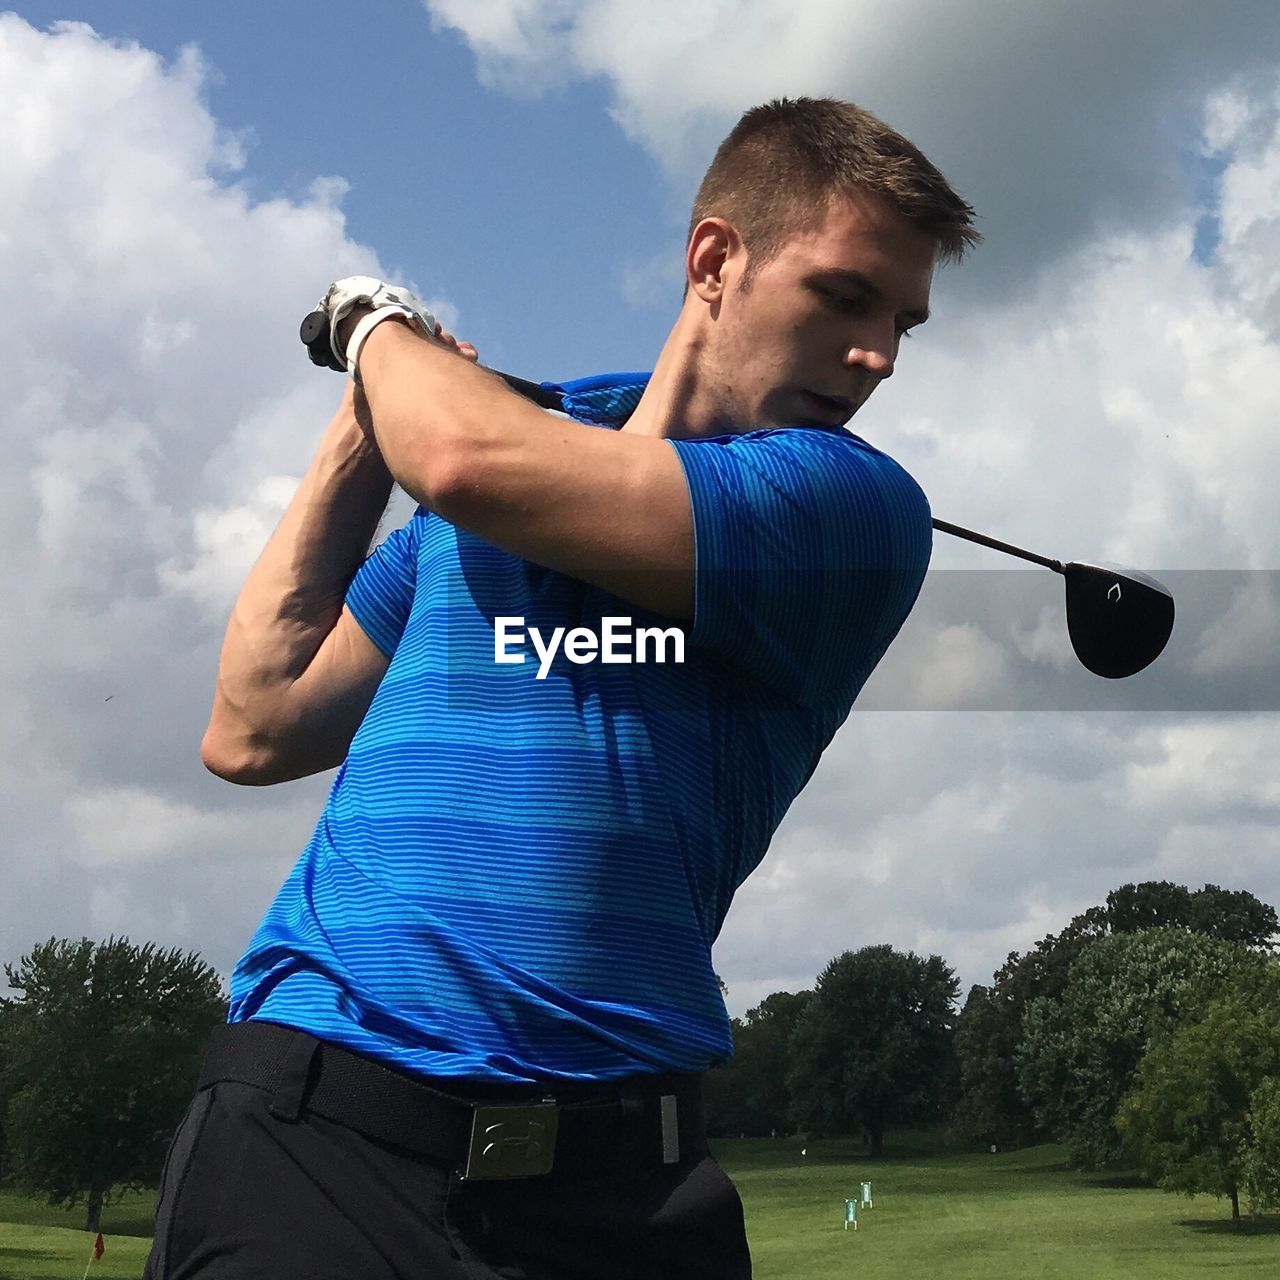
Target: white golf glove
<point>388,300</point>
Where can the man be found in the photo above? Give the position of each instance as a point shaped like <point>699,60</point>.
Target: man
<point>468,1037</point>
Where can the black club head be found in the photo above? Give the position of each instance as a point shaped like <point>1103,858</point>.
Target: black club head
<point>1119,620</point>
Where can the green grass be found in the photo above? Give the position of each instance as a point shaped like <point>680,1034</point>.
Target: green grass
<point>937,1216</point>
<point>1021,1215</point>
<point>41,1243</point>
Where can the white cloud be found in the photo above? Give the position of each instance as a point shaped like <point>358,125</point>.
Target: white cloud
<point>157,411</point>
<point>1246,636</point>
<point>965,668</point>
<point>1250,205</point>
<point>1210,770</point>
<point>1120,411</point>
<point>1058,125</point>
<point>123,826</point>
<point>1113,399</point>
<point>1047,641</point>
<point>228,540</point>
<point>1117,403</point>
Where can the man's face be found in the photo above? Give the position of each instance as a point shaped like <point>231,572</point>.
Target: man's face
<point>819,326</point>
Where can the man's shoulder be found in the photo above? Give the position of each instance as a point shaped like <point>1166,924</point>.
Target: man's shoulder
<point>844,459</point>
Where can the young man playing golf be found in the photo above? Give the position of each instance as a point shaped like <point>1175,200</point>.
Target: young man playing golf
<point>468,1037</point>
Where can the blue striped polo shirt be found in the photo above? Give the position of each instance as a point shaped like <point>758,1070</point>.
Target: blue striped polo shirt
<point>522,866</point>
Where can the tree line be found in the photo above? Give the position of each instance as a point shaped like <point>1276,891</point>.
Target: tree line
<point>1146,1034</point>
<point>99,1055</point>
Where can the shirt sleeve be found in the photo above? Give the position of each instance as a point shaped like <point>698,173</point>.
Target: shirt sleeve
<point>381,594</point>
<point>810,548</point>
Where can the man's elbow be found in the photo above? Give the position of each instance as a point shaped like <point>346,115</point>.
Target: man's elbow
<point>262,764</point>
<point>244,766</point>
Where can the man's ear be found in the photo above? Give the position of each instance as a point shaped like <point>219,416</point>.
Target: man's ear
<point>714,252</point>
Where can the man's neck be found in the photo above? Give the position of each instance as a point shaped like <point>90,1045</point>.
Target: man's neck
<point>681,401</point>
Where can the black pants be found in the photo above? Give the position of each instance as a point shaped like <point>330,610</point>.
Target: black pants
<point>248,1196</point>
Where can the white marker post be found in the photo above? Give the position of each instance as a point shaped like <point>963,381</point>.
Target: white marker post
<point>866,1195</point>
<point>850,1214</point>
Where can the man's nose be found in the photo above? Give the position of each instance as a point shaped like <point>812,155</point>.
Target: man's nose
<point>874,353</point>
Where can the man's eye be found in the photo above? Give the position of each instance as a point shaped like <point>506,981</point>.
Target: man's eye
<point>843,302</point>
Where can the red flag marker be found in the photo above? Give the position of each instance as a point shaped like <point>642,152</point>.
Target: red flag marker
<point>98,1250</point>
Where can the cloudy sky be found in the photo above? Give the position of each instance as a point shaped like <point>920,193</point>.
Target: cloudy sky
<point>1101,381</point>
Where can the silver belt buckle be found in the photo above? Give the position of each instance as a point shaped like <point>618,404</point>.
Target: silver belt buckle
<point>511,1142</point>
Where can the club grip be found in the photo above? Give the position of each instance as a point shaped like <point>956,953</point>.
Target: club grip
<point>314,332</point>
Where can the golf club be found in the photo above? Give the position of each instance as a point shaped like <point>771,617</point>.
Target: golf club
<point>1118,620</point>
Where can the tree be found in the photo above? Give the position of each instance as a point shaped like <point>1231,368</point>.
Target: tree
<point>100,1055</point>
<point>990,1028</point>
<point>872,1048</point>
<point>991,1107</point>
<point>4,1100</point>
<point>1188,1121</point>
<point>1262,1160</point>
<point>1232,915</point>
<point>1079,1055</point>
<point>1153,904</point>
<point>723,1103</point>
<point>750,1094</point>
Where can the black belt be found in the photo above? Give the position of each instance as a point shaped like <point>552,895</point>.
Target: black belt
<point>518,1131</point>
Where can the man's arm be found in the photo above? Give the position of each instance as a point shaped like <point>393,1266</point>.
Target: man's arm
<point>297,673</point>
<point>605,507</point>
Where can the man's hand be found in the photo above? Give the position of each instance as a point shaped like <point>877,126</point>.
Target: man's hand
<point>353,299</point>
<point>328,331</point>
<point>464,349</point>
<point>347,327</point>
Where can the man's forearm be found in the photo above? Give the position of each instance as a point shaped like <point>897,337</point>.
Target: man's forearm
<point>609,508</point>
<point>293,596</point>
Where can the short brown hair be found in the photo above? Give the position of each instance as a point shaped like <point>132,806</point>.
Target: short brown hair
<point>778,170</point>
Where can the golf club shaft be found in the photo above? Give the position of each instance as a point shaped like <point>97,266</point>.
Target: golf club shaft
<point>315,334</point>
<point>996,545</point>
<point>549,400</point>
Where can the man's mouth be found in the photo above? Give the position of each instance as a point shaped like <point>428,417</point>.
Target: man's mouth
<point>833,409</point>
